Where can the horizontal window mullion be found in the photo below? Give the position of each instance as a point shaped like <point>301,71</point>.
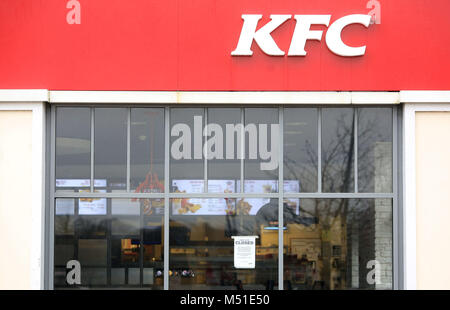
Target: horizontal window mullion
<point>339,195</point>
<point>222,195</point>
<point>108,195</point>
<point>161,195</point>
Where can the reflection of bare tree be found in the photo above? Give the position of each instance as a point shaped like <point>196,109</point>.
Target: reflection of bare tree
<point>91,226</point>
<point>338,163</point>
<point>307,173</point>
<point>63,224</point>
<point>337,167</point>
<point>337,173</point>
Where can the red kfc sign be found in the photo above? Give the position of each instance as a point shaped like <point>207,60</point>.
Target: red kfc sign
<point>225,45</point>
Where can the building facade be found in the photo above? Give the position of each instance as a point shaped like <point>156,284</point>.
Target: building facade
<point>222,145</point>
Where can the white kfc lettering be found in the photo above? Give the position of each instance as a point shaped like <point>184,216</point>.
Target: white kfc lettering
<point>334,40</point>
<point>302,33</point>
<point>262,36</point>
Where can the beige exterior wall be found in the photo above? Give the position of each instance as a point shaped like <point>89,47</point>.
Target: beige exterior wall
<point>433,199</point>
<point>15,199</point>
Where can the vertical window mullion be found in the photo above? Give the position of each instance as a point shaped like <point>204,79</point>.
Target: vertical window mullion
<point>355,147</point>
<point>92,149</point>
<point>204,151</point>
<point>128,148</point>
<point>395,211</point>
<point>141,246</point>
<point>280,201</point>
<point>319,150</point>
<point>241,190</point>
<point>51,256</point>
<point>108,241</point>
<point>166,197</point>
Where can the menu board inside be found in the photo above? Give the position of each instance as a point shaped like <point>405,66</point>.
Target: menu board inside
<point>222,206</point>
<point>269,186</point>
<point>86,206</point>
<point>196,206</point>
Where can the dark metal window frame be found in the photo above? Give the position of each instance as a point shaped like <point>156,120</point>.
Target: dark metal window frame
<point>52,195</point>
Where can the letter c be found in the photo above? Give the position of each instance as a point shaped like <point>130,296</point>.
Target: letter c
<point>334,40</point>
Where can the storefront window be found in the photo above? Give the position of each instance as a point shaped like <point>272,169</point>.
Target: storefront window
<point>202,248</point>
<point>338,244</point>
<point>223,162</point>
<point>208,178</point>
<point>147,150</point>
<point>117,242</point>
<point>186,150</point>
<point>300,150</point>
<point>73,149</point>
<point>375,150</point>
<point>110,148</point>
<point>261,150</point>
<point>338,155</point>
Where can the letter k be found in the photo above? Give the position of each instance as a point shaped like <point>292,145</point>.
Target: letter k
<point>262,37</point>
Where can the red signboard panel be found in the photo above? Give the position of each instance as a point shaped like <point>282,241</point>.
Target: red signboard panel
<point>187,45</point>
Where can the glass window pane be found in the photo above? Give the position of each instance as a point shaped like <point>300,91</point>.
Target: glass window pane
<point>88,225</point>
<point>94,277</point>
<point>224,165</point>
<point>73,148</point>
<point>328,243</point>
<point>338,132</point>
<point>65,206</point>
<point>186,150</point>
<point>338,244</point>
<point>147,150</point>
<point>134,275</point>
<point>125,207</point>
<point>261,150</point>
<point>375,150</point>
<point>153,243</point>
<point>125,256</point>
<point>117,276</point>
<point>149,276</point>
<point>64,225</point>
<point>111,248</point>
<point>300,150</point>
<point>110,144</point>
<point>65,244</point>
<point>202,247</point>
<point>125,226</point>
<point>147,249</point>
<point>92,252</point>
<point>59,279</point>
<point>64,251</point>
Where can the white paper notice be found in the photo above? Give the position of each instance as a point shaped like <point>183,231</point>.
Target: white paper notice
<point>244,252</point>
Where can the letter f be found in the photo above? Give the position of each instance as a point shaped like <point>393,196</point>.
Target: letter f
<point>302,32</point>
<point>262,37</point>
